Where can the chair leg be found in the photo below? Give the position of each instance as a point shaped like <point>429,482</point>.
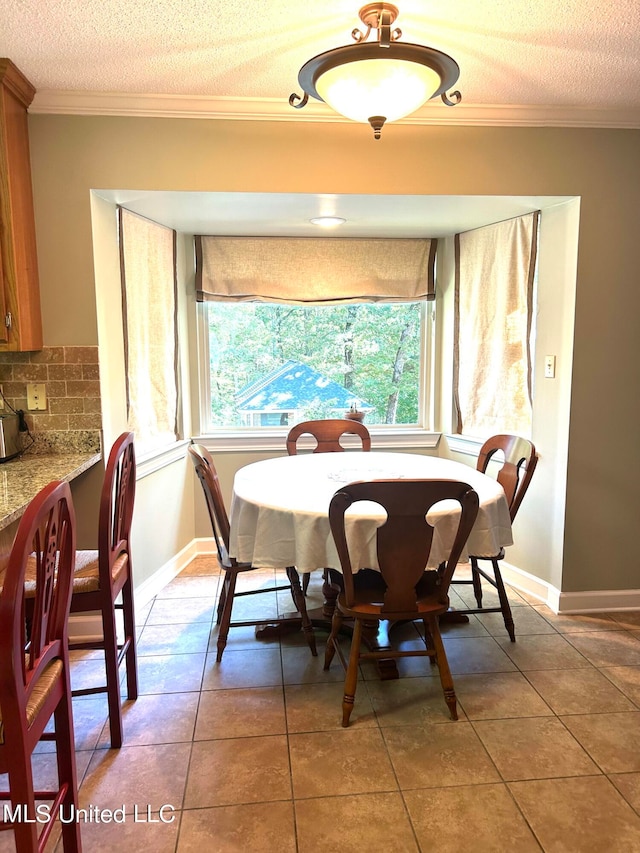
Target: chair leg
<point>66,758</point>
<point>228,589</point>
<point>131,655</point>
<point>428,640</point>
<point>298,598</point>
<point>221,600</point>
<point>504,602</point>
<point>351,678</point>
<point>443,668</point>
<point>114,698</point>
<point>22,795</point>
<point>305,582</point>
<point>477,582</point>
<point>336,624</point>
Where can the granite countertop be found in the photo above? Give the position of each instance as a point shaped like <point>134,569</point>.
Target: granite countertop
<point>21,479</point>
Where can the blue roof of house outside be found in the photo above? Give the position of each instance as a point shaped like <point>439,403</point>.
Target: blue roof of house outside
<point>294,386</point>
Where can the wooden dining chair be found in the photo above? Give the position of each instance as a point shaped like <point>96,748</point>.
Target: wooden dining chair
<point>103,581</point>
<point>327,434</point>
<point>208,476</point>
<point>401,589</point>
<point>519,462</point>
<point>34,673</point>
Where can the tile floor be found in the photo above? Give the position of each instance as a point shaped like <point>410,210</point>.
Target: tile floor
<point>249,754</point>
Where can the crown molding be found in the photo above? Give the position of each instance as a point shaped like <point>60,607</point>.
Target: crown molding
<point>50,102</point>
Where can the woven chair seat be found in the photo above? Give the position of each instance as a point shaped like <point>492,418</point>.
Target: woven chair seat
<point>41,690</point>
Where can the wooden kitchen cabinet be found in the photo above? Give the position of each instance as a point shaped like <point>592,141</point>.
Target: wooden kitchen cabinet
<point>20,317</point>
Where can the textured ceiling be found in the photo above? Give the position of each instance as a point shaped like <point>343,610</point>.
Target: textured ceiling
<point>581,54</point>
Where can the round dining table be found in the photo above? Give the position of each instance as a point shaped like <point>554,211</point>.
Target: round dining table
<point>279,509</point>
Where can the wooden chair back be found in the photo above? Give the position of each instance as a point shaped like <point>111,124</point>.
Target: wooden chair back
<point>208,476</point>
<point>327,433</point>
<point>34,672</point>
<point>520,460</point>
<point>116,507</point>
<point>404,539</point>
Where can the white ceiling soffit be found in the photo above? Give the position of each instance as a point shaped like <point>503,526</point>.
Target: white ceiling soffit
<point>289,214</point>
<point>522,63</point>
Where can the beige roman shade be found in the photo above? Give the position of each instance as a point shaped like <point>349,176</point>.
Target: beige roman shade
<point>148,270</point>
<point>301,270</point>
<point>495,268</point>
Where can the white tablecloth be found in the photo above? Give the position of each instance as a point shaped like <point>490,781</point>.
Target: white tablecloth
<point>279,510</point>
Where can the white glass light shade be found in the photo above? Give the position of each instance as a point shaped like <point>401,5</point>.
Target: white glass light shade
<point>392,88</point>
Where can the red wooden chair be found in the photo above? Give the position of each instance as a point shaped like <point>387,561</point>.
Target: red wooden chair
<point>402,589</point>
<point>34,674</point>
<point>102,576</point>
<point>519,463</point>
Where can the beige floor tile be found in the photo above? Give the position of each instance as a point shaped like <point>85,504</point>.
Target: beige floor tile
<point>170,673</point>
<point>489,594</point>
<point>585,815</point>
<point>138,833</point>
<point>330,824</point>
<point>461,630</point>
<point>469,817</point>
<point>89,673</point>
<point>629,786</point>
<point>242,638</point>
<point>626,678</point>
<point>480,654</point>
<point>533,748</point>
<point>238,770</point>
<point>348,761</point>
<point>299,666</point>
<point>136,775</point>
<point>578,691</point>
<point>167,611</point>
<point>543,651</point>
<point>158,718</point>
<point>626,618</point>
<point>247,712</point>
<point>259,827</point>
<point>201,566</point>
<point>576,623</point>
<point>190,587</point>
<point>318,707</point>
<point>612,740</point>
<point>617,648</point>
<point>409,702</point>
<point>498,695</point>
<point>182,639</point>
<point>438,756</point>
<point>89,716</point>
<point>248,668</point>
<point>526,621</point>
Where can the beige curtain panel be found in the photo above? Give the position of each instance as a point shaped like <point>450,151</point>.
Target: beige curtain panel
<point>495,268</point>
<point>148,269</point>
<point>304,270</point>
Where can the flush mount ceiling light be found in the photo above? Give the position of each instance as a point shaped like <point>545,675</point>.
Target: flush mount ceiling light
<point>378,81</point>
<point>327,221</point>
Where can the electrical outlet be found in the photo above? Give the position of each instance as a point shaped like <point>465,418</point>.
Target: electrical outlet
<point>36,397</point>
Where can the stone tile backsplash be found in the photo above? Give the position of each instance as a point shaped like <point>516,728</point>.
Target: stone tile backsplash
<point>72,420</point>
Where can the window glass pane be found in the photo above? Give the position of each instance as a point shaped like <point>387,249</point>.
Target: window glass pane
<point>276,365</point>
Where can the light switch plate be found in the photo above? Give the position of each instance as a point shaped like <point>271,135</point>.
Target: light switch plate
<point>36,397</point>
<point>549,366</point>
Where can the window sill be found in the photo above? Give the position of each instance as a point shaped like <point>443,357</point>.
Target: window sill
<point>148,463</point>
<point>253,440</point>
<point>464,444</point>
